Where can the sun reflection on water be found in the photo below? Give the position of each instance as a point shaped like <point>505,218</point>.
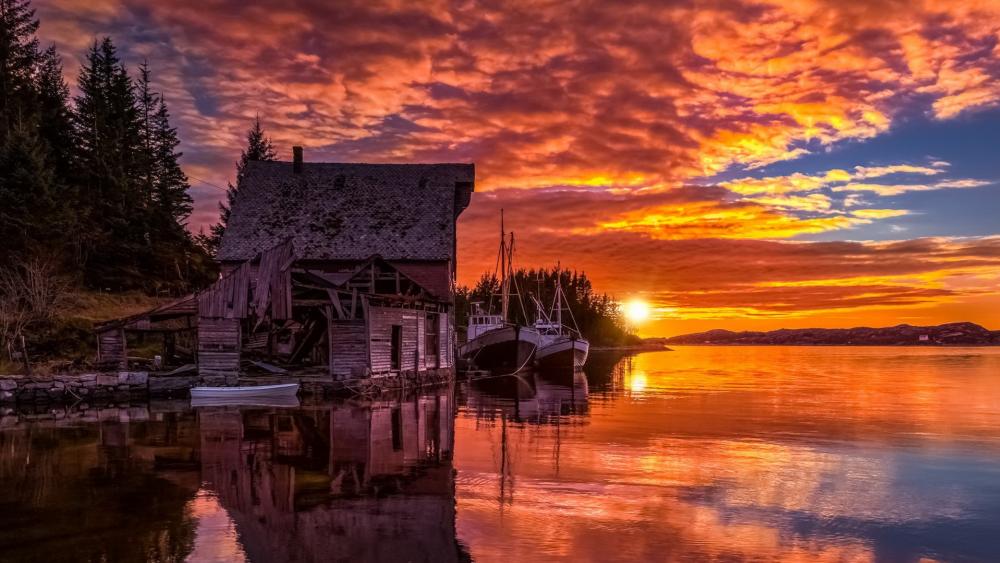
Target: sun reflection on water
<point>748,453</point>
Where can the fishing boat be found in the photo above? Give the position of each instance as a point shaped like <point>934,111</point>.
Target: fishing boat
<point>250,393</point>
<point>493,342</point>
<point>560,346</point>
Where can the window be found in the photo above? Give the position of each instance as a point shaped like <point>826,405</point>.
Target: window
<point>396,358</point>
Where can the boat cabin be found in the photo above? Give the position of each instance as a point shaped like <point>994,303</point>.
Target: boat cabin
<point>481,321</point>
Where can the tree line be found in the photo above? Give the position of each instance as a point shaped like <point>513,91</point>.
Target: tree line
<point>598,316</point>
<point>92,194</point>
<point>92,184</point>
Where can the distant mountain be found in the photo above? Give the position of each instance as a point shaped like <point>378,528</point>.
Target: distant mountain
<point>955,334</point>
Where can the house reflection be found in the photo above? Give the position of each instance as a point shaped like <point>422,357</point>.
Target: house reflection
<point>368,480</point>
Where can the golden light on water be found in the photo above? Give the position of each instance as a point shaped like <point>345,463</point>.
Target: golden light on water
<point>636,311</point>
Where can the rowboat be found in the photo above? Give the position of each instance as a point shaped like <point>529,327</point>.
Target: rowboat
<point>250,393</point>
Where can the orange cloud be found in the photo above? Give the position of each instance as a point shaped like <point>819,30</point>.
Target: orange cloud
<point>602,114</point>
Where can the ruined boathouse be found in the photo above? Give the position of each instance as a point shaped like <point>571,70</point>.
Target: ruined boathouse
<point>345,270</point>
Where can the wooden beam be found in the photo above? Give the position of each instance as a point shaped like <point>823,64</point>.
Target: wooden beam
<point>310,302</point>
<point>329,335</point>
<point>335,299</point>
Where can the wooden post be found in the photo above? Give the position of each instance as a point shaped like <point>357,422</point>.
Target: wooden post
<point>24,357</point>
<point>329,342</point>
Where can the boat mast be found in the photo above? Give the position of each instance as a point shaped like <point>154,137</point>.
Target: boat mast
<point>504,282</point>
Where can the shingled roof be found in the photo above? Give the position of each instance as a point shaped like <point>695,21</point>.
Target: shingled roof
<point>334,211</point>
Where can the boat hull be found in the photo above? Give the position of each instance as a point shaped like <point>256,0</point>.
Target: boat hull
<point>508,348</point>
<point>563,352</point>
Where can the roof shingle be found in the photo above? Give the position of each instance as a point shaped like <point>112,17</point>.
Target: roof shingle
<point>336,211</point>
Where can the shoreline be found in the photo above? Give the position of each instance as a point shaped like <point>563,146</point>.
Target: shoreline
<point>848,345</point>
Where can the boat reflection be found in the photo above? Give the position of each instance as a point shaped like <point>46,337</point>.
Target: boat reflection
<point>536,397</point>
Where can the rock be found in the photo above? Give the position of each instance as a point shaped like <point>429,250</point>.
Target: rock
<point>166,385</point>
<point>6,396</point>
<point>8,384</point>
<point>107,380</point>
<point>139,378</point>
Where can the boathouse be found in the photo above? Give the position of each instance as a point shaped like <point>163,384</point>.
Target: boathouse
<point>346,269</point>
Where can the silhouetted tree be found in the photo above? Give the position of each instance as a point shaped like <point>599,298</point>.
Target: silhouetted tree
<point>35,141</point>
<point>259,147</point>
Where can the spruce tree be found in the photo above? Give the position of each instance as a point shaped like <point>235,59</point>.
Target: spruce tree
<point>108,133</point>
<point>176,261</point>
<point>19,58</point>
<point>36,206</point>
<point>259,147</point>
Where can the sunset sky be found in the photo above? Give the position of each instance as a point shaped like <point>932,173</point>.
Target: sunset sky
<point>743,165</point>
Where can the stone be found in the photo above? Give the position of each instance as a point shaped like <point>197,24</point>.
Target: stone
<point>6,396</point>
<point>87,378</point>
<point>8,384</point>
<point>166,385</point>
<point>107,380</point>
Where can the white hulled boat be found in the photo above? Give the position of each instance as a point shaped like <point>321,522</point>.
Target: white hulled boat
<point>560,346</point>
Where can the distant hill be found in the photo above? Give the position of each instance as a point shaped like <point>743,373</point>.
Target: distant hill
<point>955,334</point>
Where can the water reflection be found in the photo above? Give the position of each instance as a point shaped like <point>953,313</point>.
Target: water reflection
<point>756,454</point>
<point>744,454</point>
<point>369,481</point>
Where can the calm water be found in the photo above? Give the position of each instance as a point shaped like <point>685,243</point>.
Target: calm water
<point>705,453</point>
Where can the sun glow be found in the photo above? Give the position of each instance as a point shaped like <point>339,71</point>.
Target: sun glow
<point>636,311</point>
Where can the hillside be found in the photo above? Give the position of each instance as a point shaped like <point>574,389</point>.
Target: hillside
<point>901,335</point>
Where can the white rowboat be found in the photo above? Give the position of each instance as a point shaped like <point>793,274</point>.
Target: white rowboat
<point>252,392</point>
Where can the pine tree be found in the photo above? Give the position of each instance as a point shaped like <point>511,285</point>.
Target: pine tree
<point>177,262</point>
<point>259,147</point>
<point>27,197</point>
<point>55,119</point>
<point>19,58</point>
<point>108,133</point>
<point>35,144</point>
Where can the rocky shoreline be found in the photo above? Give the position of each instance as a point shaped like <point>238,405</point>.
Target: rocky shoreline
<point>125,386</point>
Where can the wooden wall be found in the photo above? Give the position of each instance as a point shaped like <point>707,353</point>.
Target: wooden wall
<point>380,322</point>
<point>348,348</point>
<point>111,347</point>
<point>218,345</point>
<point>446,348</point>
<point>412,321</point>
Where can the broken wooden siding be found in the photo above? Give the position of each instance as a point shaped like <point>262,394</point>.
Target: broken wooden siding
<point>380,323</point>
<point>219,345</point>
<point>273,282</point>
<point>228,297</point>
<point>348,348</point>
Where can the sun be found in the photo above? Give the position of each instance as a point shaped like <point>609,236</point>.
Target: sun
<point>636,311</point>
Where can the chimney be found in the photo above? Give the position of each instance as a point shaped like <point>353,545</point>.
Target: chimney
<point>297,160</point>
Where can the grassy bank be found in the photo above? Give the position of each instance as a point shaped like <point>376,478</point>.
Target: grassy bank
<point>67,340</point>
